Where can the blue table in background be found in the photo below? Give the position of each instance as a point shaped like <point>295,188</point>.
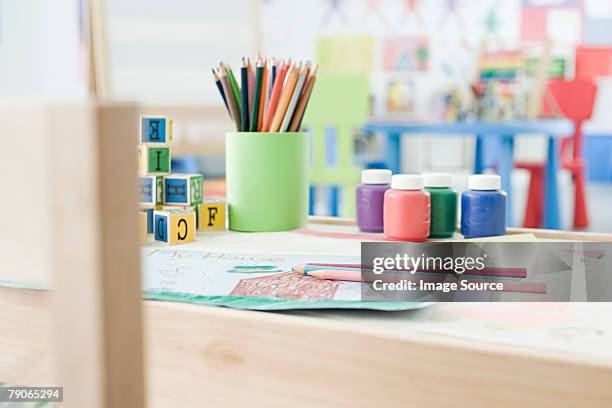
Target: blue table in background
<point>504,132</point>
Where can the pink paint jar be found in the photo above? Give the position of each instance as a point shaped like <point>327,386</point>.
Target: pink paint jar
<point>407,209</point>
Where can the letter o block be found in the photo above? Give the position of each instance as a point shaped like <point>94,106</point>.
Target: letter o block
<point>175,226</point>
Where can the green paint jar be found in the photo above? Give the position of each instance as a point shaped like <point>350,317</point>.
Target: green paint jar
<point>267,180</point>
<point>443,205</point>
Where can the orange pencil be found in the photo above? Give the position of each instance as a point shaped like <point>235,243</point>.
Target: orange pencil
<point>283,103</point>
<point>274,98</point>
<point>262,99</point>
<point>336,274</point>
<point>303,102</point>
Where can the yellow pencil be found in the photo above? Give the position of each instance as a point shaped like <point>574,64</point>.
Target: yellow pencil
<point>285,98</point>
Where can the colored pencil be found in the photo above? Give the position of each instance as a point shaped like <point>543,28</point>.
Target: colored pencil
<point>257,97</point>
<point>274,69</point>
<point>488,271</point>
<point>230,98</point>
<point>304,269</point>
<point>271,95</point>
<point>355,276</point>
<point>283,102</point>
<point>244,91</point>
<point>220,88</point>
<point>251,84</point>
<point>336,274</point>
<point>233,84</point>
<point>294,97</point>
<point>296,121</point>
<point>274,98</point>
<point>269,83</point>
<point>264,95</point>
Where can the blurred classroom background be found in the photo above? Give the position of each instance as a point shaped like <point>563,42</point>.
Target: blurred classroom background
<point>430,61</point>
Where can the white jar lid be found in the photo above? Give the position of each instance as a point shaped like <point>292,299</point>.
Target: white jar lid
<point>407,182</point>
<point>437,180</point>
<point>376,176</point>
<point>484,182</point>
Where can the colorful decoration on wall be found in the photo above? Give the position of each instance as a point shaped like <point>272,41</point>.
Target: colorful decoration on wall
<point>411,9</point>
<point>334,8</point>
<point>374,10</point>
<point>406,53</point>
<point>451,11</point>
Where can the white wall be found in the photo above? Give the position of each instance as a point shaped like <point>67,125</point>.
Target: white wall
<point>40,53</point>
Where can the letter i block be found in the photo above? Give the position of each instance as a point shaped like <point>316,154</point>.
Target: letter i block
<point>149,214</point>
<point>155,129</point>
<point>151,190</point>
<point>183,189</point>
<point>175,226</point>
<point>212,214</point>
<point>153,159</point>
<point>142,227</point>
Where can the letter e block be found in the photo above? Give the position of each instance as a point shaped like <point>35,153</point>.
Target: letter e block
<point>153,159</point>
<point>155,129</point>
<point>175,226</point>
<point>212,214</point>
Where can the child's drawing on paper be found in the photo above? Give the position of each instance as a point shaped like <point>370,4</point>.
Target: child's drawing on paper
<point>211,274</point>
<point>288,285</point>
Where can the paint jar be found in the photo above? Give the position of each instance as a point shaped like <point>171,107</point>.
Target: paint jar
<point>267,180</point>
<point>483,207</point>
<point>407,209</point>
<point>370,197</point>
<point>443,205</point>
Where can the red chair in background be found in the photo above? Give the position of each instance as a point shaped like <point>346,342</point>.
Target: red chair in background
<point>574,100</point>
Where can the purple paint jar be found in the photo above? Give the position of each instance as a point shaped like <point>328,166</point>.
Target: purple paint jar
<point>370,196</point>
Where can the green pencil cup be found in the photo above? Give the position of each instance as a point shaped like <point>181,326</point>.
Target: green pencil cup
<point>267,180</point>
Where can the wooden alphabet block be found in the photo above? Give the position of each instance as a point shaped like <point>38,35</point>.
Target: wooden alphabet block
<point>149,214</point>
<point>151,190</point>
<point>142,226</point>
<point>155,129</point>
<point>175,226</point>
<point>183,189</point>
<point>153,159</point>
<point>212,214</point>
<point>194,208</point>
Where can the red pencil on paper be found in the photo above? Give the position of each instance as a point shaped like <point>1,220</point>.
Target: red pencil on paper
<point>488,271</point>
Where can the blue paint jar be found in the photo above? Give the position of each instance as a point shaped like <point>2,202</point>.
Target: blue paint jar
<point>483,207</point>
